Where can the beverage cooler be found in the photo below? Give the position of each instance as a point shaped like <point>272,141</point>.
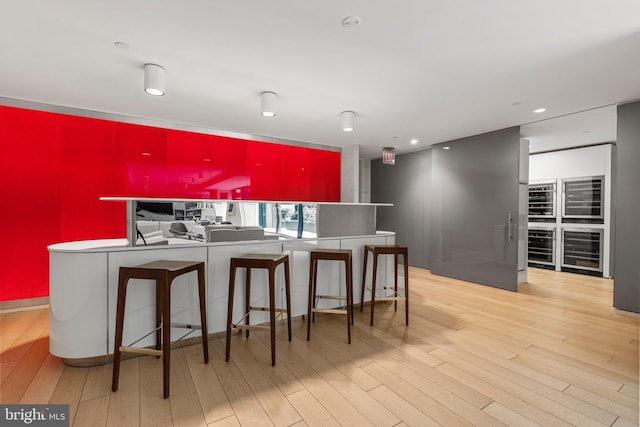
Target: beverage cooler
<point>583,199</point>
<point>542,201</point>
<point>541,248</point>
<point>582,249</point>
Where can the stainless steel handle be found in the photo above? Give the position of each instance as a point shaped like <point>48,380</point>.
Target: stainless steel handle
<point>510,227</point>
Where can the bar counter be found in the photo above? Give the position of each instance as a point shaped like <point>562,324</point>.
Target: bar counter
<point>84,282</point>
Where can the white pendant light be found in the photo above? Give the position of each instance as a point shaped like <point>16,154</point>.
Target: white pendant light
<point>268,108</point>
<point>347,120</point>
<point>154,79</point>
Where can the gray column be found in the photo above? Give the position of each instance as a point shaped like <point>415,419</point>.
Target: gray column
<point>350,174</point>
<point>626,288</point>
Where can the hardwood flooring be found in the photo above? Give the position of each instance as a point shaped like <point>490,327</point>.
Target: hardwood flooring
<point>553,354</point>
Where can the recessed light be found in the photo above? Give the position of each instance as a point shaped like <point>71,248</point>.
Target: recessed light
<point>414,141</point>
<point>516,104</point>
<point>121,45</point>
<point>446,148</point>
<point>540,110</point>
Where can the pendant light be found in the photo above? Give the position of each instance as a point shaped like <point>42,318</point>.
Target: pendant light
<point>268,107</point>
<point>347,121</point>
<point>154,79</point>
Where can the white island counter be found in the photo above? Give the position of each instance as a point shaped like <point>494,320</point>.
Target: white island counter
<point>84,282</point>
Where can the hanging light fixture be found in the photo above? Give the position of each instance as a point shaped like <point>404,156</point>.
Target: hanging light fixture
<point>268,108</point>
<point>347,120</point>
<point>154,79</point>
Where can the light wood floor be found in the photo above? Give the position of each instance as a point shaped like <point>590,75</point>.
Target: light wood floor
<point>553,354</point>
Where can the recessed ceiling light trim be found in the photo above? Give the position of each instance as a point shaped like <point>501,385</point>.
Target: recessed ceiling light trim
<point>414,141</point>
<point>540,110</point>
<point>154,79</point>
<point>268,104</point>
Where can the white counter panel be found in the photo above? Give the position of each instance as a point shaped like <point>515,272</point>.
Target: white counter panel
<point>84,283</point>
<point>219,260</point>
<point>78,304</point>
<point>385,269</point>
<point>140,304</point>
<point>329,277</point>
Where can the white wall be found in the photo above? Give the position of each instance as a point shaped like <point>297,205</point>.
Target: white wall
<point>573,163</point>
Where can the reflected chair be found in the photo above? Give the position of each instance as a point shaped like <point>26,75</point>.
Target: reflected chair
<point>178,229</point>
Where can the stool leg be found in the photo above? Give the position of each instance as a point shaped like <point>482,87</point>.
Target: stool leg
<point>122,295</point>
<point>287,290</point>
<point>203,313</point>
<point>364,277</point>
<point>374,270</point>
<point>158,315</point>
<point>395,280</point>
<point>406,288</point>
<point>315,288</point>
<point>272,315</point>
<point>351,286</point>
<point>247,300</point>
<point>166,334</point>
<point>232,285</point>
<point>349,292</point>
<point>311,293</point>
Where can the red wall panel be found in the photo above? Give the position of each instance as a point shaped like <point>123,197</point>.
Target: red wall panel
<point>55,167</point>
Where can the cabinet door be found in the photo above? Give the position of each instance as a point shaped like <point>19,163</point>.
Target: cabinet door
<point>474,230</point>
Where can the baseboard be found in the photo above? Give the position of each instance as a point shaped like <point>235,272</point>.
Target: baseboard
<point>24,304</point>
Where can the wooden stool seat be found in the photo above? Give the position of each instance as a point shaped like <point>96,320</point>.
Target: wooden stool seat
<point>163,272</point>
<point>376,251</point>
<point>269,262</point>
<point>345,256</point>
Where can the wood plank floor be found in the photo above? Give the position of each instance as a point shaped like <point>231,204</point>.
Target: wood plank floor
<point>553,354</point>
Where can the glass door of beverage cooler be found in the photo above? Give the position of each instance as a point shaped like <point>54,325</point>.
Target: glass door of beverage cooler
<point>542,200</point>
<point>582,249</point>
<point>583,198</point>
<point>541,251</point>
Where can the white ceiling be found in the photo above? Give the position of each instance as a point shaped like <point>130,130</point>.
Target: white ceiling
<point>426,69</point>
<point>573,130</point>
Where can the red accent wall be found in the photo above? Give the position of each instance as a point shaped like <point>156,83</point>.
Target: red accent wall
<point>55,167</point>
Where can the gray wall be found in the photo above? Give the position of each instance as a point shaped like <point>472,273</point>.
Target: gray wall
<point>407,185</point>
<point>475,190</point>
<point>626,289</point>
<point>345,220</point>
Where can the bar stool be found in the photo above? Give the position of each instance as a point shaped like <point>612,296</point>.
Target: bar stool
<point>269,262</point>
<point>376,251</point>
<point>163,272</point>
<point>330,255</point>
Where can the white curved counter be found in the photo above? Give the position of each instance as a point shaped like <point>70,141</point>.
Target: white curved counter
<point>83,278</point>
